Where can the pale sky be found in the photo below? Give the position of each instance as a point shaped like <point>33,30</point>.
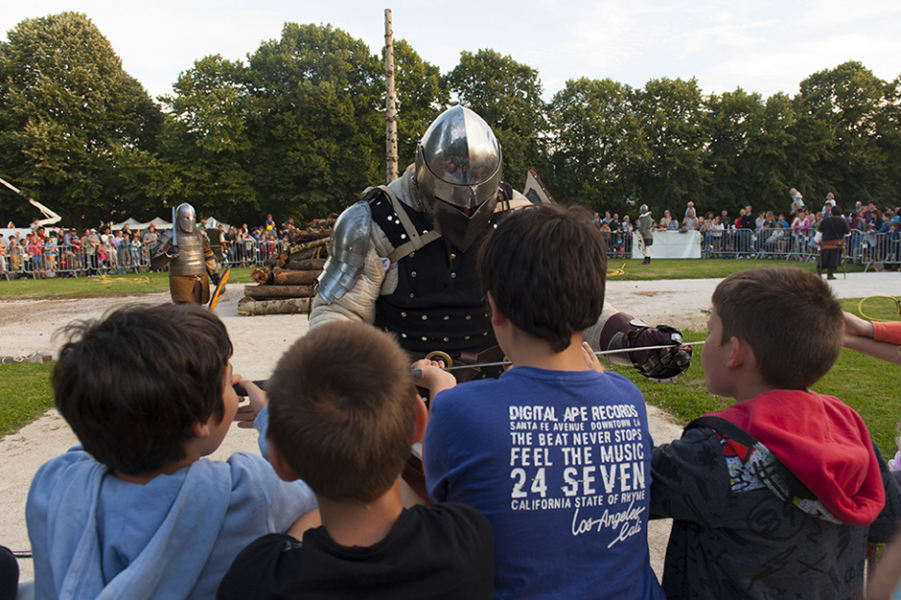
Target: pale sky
<point>764,46</point>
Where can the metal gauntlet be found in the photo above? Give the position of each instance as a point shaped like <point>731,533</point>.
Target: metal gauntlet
<point>662,365</point>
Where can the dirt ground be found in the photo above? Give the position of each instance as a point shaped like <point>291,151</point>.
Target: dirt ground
<point>28,326</point>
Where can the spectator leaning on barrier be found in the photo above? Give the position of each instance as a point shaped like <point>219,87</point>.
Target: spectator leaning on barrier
<point>150,237</point>
<point>691,217</point>
<point>15,254</point>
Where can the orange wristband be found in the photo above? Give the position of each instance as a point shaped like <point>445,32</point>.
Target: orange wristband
<point>887,332</point>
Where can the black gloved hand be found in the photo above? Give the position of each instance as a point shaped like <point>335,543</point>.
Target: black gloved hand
<point>660,366</point>
<point>215,278</point>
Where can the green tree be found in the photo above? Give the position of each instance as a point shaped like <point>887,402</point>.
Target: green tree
<point>841,110</point>
<point>596,139</point>
<point>206,140</point>
<point>421,97</point>
<point>670,171</point>
<point>71,118</point>
<point>507,94</point>
<point>747,157</point>
<point>313,121</point>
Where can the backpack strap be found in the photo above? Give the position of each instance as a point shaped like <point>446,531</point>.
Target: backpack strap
<point>771,471</point>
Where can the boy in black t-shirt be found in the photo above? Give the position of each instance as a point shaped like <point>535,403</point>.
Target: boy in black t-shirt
<point>344,411</point>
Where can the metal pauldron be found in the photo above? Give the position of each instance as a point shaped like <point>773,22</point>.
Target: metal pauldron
<point>347,252</point>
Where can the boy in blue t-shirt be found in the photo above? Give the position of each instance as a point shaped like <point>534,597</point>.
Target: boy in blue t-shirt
<point>135,511</point>
<point>556,453</point>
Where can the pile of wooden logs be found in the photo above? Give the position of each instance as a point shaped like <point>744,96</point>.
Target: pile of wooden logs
<point>288,284</point>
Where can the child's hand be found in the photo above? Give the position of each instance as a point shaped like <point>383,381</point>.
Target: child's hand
<point>247,413</point>
<point>590,358</point>
<point>434,378</point>
<point>854,325</point>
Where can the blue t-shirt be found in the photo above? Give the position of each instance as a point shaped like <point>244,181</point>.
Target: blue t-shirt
<point>559,462</point>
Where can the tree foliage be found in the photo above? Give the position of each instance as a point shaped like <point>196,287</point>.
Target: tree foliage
<point>298,130</point>
<point>314,123</point>
<point>206,141</point>
<point>421,97</point>
<point>71,119</point>
<point>507,94</point>
<point>595,144</point>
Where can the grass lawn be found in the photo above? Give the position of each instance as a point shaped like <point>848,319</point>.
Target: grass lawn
<point>148,283</point>
<point>92,287</point>
<point>26,394</point>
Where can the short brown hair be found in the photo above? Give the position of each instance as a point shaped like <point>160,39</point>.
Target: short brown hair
<point>131,384</point>
<point>546,269</point>
<point>788,316</point>
<point>343,408</point>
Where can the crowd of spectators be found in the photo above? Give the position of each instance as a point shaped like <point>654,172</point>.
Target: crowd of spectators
<point>63,252</point>
<point>876,232</point>
<point>248,246</point>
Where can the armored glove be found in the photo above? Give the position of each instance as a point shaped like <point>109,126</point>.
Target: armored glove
<point>660,366</point>
<point>215,277</point>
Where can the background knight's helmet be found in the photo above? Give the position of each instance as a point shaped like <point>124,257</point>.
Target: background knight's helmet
<point>186,218</point>
<point>458,171</point>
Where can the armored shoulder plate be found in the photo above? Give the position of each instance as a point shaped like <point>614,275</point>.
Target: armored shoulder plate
<point>347,252</point>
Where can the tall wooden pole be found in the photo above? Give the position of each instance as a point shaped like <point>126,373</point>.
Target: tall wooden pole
<point>390,100</point>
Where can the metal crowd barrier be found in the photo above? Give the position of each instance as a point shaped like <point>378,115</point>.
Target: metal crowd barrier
<point>76,261</point>
<point>618,243</point>
<point>861,248</point>
<point>256,254</point>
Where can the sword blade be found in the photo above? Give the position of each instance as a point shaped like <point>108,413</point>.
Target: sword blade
<point>502,363</point>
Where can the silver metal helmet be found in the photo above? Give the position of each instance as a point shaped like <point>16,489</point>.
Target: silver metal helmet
<point>186,218</point>
<point>458,171</point>
<point>643,208</point>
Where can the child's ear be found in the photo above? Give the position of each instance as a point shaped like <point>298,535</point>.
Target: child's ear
<point>740,353</point>
<point>201,430</point>
<point>422,419</point>
<point>279,464</point>
<point>496,317</point>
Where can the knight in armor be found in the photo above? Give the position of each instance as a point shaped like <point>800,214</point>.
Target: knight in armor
<point>192,264</point>
<point>646,228</point>
<point>403,258</point>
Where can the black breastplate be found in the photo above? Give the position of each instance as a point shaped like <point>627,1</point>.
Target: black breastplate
<point>437,304</point>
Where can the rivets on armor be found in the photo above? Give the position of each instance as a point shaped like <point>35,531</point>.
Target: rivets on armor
<point>453,275</point>
<point>485,333</point>
<point>468,317</point>
<point>403,314</point>
<point>425,339</point>
<point>466,337</point>
<point>403,236</point>
<point>411,295</point>
<point>413,274</point>
<point>495,225</point>
<point>424,231</point>
<point>411,254</point>
<point>453,256</point>
<point>446,339</point>
<point>425,318</point>
<point>446,318</point>
<point>403,335</point>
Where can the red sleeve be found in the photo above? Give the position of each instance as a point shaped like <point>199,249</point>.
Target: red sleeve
<point>887,332</point>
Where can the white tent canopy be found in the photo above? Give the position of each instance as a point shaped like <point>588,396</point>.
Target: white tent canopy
<point>134,224</point>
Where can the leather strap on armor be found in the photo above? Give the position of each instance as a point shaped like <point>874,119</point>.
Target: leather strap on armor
<point>417,241</point>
